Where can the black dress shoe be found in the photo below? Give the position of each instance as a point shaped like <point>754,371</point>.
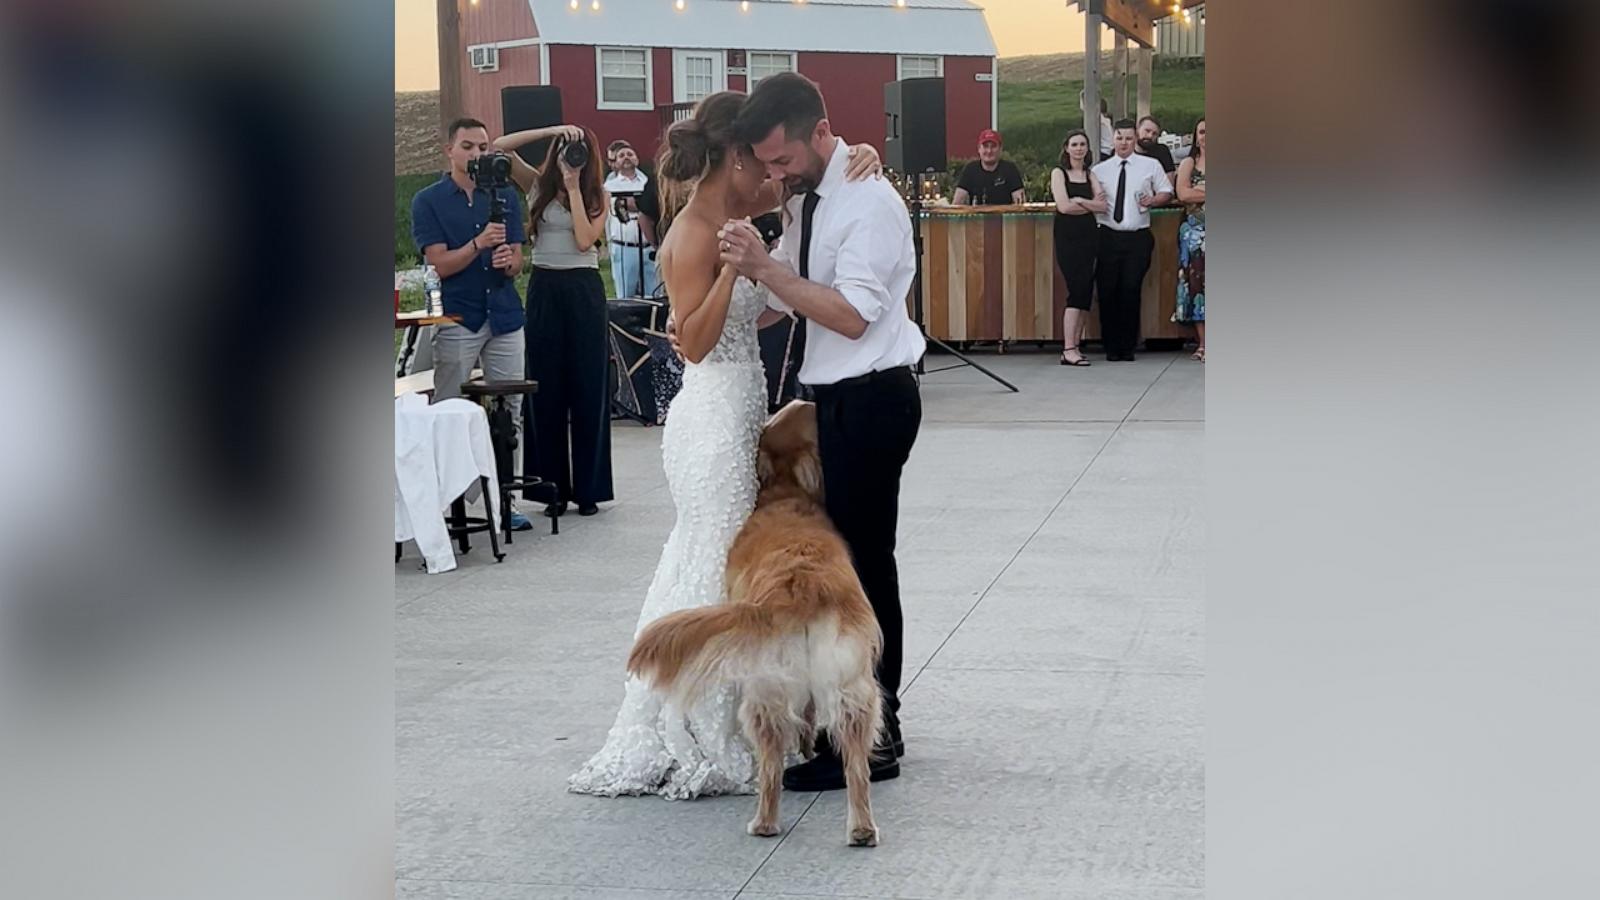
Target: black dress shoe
<point>891,732</point>
<point>890,739</point>
<point>588,509</point>
<point>556,510</point>
<point>826,771</point>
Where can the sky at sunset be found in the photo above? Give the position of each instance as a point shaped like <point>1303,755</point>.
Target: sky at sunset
<point>1020,27</point>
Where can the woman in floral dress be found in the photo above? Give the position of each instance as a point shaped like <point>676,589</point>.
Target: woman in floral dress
<point>1191,184</point>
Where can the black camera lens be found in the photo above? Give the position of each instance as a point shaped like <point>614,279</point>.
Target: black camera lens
<point>576,154</point>
<point>500,166</point>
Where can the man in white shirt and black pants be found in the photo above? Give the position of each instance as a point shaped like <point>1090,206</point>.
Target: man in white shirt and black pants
<point>633,265</point>
<point>1133,184</point>
<point>845,263</point>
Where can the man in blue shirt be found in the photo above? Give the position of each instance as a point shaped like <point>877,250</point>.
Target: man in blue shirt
<point>478,262</point>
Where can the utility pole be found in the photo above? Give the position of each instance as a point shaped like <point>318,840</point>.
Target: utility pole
<point>449,62</point>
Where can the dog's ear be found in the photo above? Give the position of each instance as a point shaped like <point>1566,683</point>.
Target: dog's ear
<point>808,472</point>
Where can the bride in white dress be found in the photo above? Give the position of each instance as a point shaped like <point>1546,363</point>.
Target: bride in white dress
<point>708,449</point>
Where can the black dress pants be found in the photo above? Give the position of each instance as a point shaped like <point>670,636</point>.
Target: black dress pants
<point>568,356</point>
<point>865,429</point>
<point>1124,260</point>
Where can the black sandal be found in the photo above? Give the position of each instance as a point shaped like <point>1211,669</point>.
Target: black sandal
<point>1080,361</point>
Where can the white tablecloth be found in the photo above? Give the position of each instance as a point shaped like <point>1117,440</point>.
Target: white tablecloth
<point>439,452</point>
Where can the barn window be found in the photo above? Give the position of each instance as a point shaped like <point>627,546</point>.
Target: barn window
<point>921,67</point>
<point>762,65</point>
<point>623,74</point>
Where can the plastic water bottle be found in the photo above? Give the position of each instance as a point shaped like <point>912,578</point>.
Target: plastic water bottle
<point>434,291</point>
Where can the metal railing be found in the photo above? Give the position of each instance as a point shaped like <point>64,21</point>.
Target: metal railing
<point>674,112</point>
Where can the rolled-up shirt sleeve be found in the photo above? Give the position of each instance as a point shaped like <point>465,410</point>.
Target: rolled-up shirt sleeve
<point>781,255</point>
<point>867,260</point>
<point>426,229</point>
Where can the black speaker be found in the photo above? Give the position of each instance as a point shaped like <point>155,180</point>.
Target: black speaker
<point>531,106</point>
<point>913,111</point>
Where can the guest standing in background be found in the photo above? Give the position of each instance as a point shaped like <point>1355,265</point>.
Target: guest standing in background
<point>989,180</point>
<point>479,262</point>
<point>567,350</point>
<point>1150,144</point>
<point>632,242</point>
<point>1192,241</point>
<point>1136,184</point>
<point>1078,197</point>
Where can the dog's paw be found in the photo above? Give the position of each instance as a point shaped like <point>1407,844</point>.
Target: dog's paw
<point>864,837</point>
<point>763,829</point>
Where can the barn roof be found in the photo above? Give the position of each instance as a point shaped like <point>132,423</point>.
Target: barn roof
<point>933,27</point>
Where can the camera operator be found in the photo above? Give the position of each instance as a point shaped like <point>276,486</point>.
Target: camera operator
<point>567,353</point>
<point>632,229</point>
<point>477,260</point>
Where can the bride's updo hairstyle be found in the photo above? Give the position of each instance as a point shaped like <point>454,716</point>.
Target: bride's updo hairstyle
<point>700,143</point>
<point>692,148</point>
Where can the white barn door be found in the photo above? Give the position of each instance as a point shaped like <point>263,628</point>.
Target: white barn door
<point>697,74</point>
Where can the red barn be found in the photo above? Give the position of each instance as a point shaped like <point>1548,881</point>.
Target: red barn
<point>622,65</point>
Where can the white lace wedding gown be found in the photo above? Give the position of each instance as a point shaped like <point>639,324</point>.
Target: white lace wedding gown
<point>709,452</point>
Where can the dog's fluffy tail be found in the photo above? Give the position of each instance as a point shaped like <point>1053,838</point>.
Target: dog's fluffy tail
<point>680,653</point>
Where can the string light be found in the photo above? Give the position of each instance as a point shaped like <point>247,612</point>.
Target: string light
<point>595,5</point>
<point>573,4</point>
<point>679,5</point>
<point>744,6</point>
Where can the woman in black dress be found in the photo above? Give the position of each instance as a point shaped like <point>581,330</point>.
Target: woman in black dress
<point>1078,196</point>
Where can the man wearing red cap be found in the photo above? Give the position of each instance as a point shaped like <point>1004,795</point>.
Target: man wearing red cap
<point>990,180</point>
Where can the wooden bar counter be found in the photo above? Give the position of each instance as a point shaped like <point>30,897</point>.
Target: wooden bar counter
<point>990,275</point>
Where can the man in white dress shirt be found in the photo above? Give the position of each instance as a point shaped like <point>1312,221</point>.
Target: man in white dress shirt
<point>844,263</point>
<point>1133,184</point>
<point>633,265</point>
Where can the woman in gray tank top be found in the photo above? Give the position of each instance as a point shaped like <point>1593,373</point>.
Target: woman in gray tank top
<point>570,417</point>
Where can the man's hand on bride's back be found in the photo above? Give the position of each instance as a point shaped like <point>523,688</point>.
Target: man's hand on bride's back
<point>672,336</point>
<point>864,163</point>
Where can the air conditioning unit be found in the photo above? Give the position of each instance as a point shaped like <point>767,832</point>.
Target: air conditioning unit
<point>484,58</point>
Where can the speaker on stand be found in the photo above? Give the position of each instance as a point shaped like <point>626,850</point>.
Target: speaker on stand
<point>913,110</point>
<point>531,106</point>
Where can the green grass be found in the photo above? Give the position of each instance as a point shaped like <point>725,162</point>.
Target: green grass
<point>1035,116</point>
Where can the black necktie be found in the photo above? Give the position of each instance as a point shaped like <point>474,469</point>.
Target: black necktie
<point>1122,193</point>
<point>807,211</point>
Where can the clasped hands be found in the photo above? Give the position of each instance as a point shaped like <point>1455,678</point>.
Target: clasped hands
<point>740,246</point>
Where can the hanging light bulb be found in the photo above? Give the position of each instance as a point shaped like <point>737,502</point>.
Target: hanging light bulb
<point>595,5</point>
<point>679,4</point>
<point>573,4</point>
<point>744,6</point>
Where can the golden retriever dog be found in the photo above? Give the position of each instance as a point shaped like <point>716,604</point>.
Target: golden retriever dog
<point>796,633</point>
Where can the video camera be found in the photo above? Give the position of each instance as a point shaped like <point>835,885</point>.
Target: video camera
<point>619,204</point>
<point>491,172</point>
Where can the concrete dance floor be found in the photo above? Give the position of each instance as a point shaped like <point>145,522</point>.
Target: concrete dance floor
<point>1051,565</point>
